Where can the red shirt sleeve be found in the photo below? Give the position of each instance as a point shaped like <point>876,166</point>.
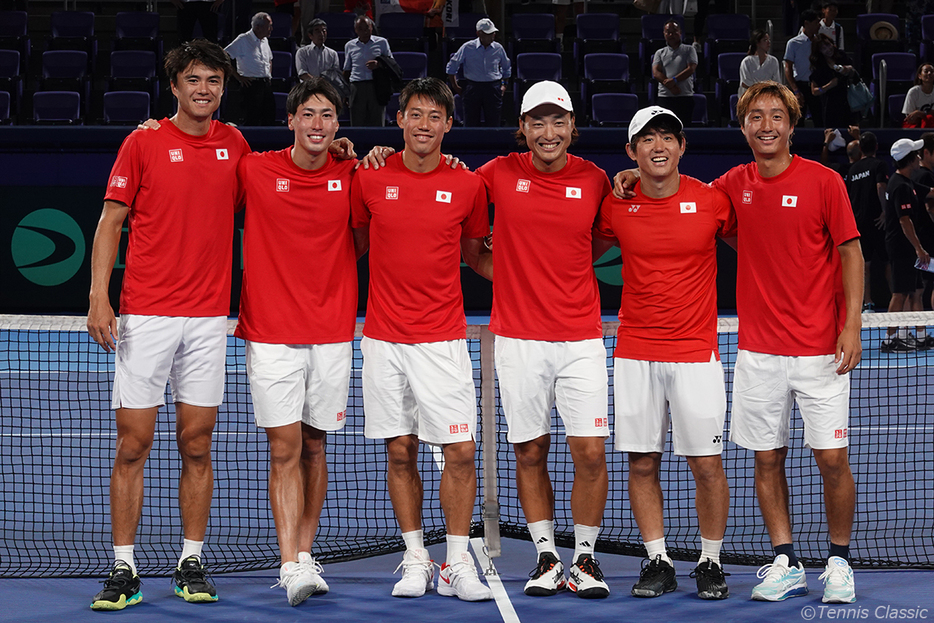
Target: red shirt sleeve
<point>126,174</point>
<point>359,213</point>
<point>603,226</point>
<point>477,223</point>
<point>726,215</point>
<point>838,213</point>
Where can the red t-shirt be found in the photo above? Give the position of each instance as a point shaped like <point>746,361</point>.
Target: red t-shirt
<point>182,191</point>
<point>668,310</point>
<point>417,221</point>
<point>544,286</point>
<point>789,284</point>
<point>299,266</point>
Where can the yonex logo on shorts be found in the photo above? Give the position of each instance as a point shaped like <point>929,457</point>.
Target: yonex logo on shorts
<point>221,154</point>
<point>600,422</point>
<point>572,193</point>
<point>282,185</point>
<point>443,196</point>
<point>392,192</point>
<point>840,433</point>
<point>341,415</point>
<point>789,201</point>
<point>334,185</point>
<point>118,181</point>
<point>175,155</point>
<point>717,439</point>
<point>523,186</point>
<point>688,207</point>
<point>747,196</point>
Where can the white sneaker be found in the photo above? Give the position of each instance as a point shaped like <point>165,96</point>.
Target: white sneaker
<point>304,558</point>
<point>417,574</point>
<point>547,578</point>
<point>586,579</point>
<point>838,582</point>
<point>779,581</point>
<point>461,580</point>
<point>300,583</point>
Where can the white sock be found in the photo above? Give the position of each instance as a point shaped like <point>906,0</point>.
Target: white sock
<point>921,332</point>
<point>190,548</point>
<point>457,548</point>
<point>414,539</point>
<point>125,553</point>
<point>543,535</point>
<point>657,548</point>
<point>710,549</point>
<point>584,539</point>
<point>902,333</point>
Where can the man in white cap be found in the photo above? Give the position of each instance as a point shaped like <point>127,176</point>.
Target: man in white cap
<point>546,317</point>
<point>486,74</point>
<point>905,203</point>
<point>666,348</point>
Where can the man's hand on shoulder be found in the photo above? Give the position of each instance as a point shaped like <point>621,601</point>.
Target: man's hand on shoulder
<point>376,158</point>
<point>623,183</point>
<point>342,149</point>
<point>149,124</point>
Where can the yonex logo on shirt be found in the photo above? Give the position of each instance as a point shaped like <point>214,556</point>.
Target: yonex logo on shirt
<point>221,154</point>
<point>523,186</point>
<point>443,196</point>
<point>747,196</point>
<point>789,201</point>
<point>118,181</point>
<point>688,207</point>
<point>334,185</point>
<point>282,185</point>
<point>634,208</point>
<point>572,193</point>
<point>175,155</point>
<point>392,192</point>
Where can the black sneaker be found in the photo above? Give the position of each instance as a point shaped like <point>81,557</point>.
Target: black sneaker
<point>657,577</point>
<point>711,581</point>
<point>547,578</point>
<point>121,589</point>
<point>897,345</point>
<point>925,343</point>
<point>191,584</point>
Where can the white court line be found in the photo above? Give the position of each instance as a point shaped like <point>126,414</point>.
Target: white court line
<point>496,584</point>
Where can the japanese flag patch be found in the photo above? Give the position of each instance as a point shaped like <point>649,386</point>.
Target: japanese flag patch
<point>443,196</point>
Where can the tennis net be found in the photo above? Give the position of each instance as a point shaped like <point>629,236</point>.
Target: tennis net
<point>57,444</point>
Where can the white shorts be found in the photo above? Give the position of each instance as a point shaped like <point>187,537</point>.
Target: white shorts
<point>643,392</point>
<point>422,389</point>
<point>306,383</point>
<point>534,375</point>
<point>188,353</point>
<point>764,388</point>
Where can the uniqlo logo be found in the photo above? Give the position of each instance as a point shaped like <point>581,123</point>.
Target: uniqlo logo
<point>906,206</point>
<point>392,192</point>
<point>840,433</point>
<point>221,154</point>
<point>747,196</point>
<point>118,181</point>
<point>572,193</point>
<point>688,207</point>
<point>464,428</point>
<point>443,196</point>
<point>282,185</point>
<point>334,185</point>
<point>789,201</point>
<point>453,428</point>
<point>523,186</point>
<point>601,422</point>
<point>175,155</point>
<point>341,415</point>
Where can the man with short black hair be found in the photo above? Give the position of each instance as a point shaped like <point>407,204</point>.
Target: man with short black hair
<point>360,56</point>
<point>312,60</point>
<point>865,185</point>
<point>798,67</point>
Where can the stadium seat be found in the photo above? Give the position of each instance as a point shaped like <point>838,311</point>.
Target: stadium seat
<point>533,32</point>
<point>596,33</point>
<point>734,99</point>
<point>604,73</point>
<point>281,37</point>
<point>901,68</point>
<point>66,70</point>
<point>532,67</point>
<point>57,107</point>
<point>866,46</point>
<point>699,117</point>
<point>13,36</point>
<point>282,111</point>
<point>138,30</point>
<point>11,80</point>
<point>726,32</point>
<point>5,118</point>
<point>74,30</point>
<point>133,70</point>
<point>283,71</point>
<point>895,104</point>
<point>926,51</point>
<point>392,107</point>
<point>727,77</point>
<point>405,31</point>
<point>413,64</point>
<point>614,109</point>
<point>126,107</point>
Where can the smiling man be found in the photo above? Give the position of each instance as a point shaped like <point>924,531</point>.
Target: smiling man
<point>178,185</point>
<point>546,317</point>
<point>666,348</point>
<point>299,331</point>
<point>419,216</point>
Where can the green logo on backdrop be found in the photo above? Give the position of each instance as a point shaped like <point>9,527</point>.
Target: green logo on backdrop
<point>48,247</point>
<point>608,268</point>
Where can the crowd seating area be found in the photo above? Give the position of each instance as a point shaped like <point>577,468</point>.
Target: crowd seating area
<point>82,67</point>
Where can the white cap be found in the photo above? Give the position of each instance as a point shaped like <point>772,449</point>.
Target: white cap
<point>546,92</point>
<point>486,26</point>
<point>905,146</point>
<point>642,117</point>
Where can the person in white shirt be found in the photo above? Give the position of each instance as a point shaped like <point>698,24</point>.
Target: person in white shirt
<point>673,67</point>
<point>798,67</point>
<point>828,24</point>
<point>919,103</point>
<point>486,72</point>
<point>360,56</point>
<point>315,58</point>
<point>759,65</point>
<point>253,56</point>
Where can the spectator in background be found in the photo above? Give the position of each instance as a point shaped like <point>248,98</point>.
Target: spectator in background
<point>486,73</point>
<point>360,56</point>
<point>920,99</point>
<point>253,57</point>
<point>203,12</point>
<point>834,140</point>
<point>758,65</point>
<point>865,184</point>
<point>798,67</point>
<point>308,9</point>
<point>828,24</point>
<point>312,60</point>
<point>673,67</point>
<point>831,71</point>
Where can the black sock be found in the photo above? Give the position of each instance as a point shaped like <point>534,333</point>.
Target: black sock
<point>843,551</point>
<point>788,550</point>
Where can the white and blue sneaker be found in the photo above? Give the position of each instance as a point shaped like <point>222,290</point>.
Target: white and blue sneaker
<point>780,581</point>
<point>838,582</point>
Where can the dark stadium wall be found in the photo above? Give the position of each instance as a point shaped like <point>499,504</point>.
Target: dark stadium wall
<point>52,182</point>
